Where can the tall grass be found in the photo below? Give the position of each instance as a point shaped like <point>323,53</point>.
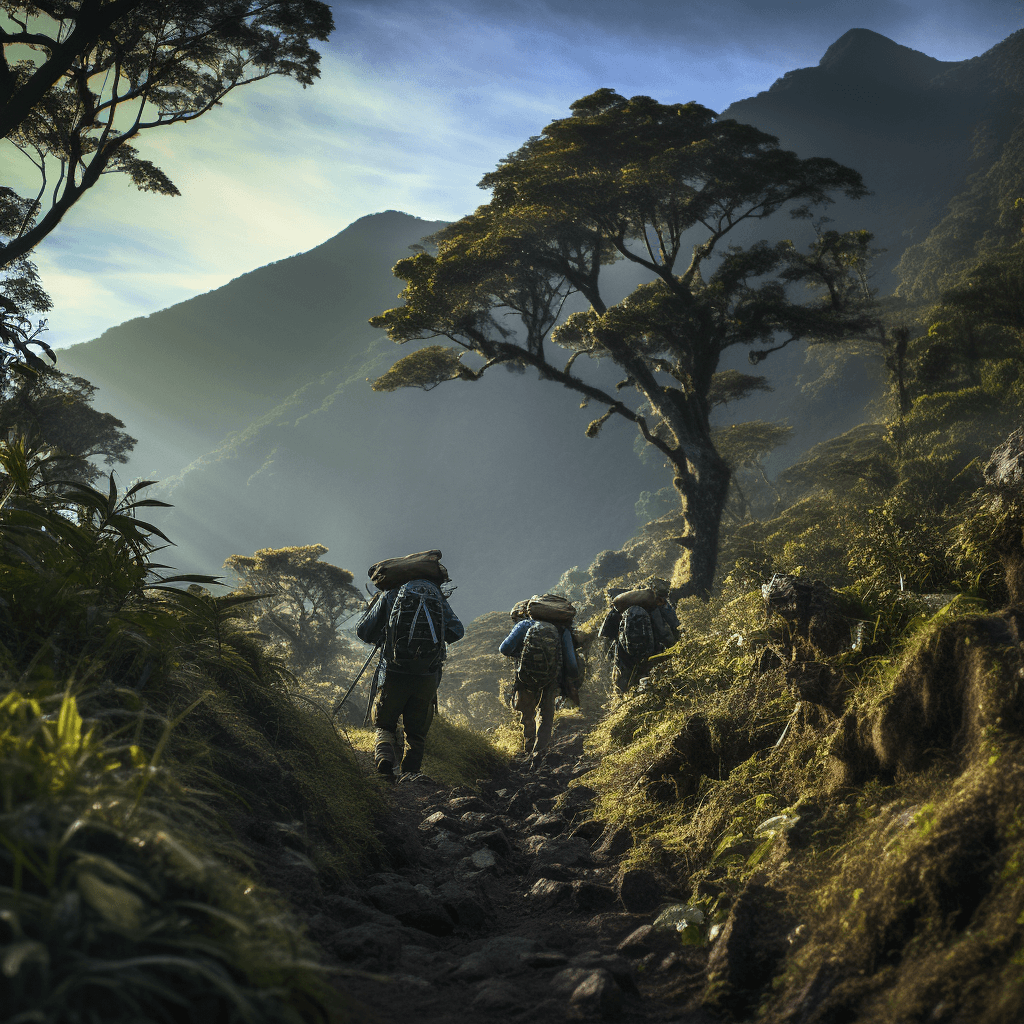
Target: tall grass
<point>144,732</point>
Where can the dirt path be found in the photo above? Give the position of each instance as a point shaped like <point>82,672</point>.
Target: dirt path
<point>500,907</point>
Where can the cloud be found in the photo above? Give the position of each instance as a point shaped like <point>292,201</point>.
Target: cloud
<point>417,100</point>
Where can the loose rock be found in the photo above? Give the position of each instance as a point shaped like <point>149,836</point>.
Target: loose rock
<point>597,993</point>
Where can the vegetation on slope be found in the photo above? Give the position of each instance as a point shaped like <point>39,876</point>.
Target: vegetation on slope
<point>838,796</point>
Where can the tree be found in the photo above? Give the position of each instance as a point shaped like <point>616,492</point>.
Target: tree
<point>53,411</point>
<point>81,79</point>
<point>640,181</point>
<point>305,599</point>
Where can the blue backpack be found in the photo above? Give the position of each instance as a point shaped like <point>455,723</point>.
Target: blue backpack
<point>414,641</point>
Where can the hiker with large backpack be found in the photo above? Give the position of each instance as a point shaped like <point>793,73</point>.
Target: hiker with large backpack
<point>639,624</point>
<point>412,621</point>
<point>541,642</point>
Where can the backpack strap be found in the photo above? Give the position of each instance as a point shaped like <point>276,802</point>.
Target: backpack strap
<point>422,607</point>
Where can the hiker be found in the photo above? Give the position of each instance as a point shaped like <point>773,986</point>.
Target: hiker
<point>413,619</point>
<point>546,665</point>
<point>640,623</point>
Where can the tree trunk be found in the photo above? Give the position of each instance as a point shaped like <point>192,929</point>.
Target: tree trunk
<point>703,484</point>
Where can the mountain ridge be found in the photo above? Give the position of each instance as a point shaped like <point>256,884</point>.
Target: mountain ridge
<point>273,364</point>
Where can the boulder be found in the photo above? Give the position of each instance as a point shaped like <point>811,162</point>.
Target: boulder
<point>413,906</point>
<point>590,896</point>
<point>440,821</point>
<point>461,804</point>
<point>618,967</point>
<point>346,911</point>
<point>500,955</point>
<point>474,821</point>
<point>495,995</point>
<point>465,904</point>
<point>1005,467</point>
<point>548,825</point>
<point>597,995</point>
<point>566,850</point>
<point>485,860</point>
<point>641,891</point>
<point>549,892</point>
<point>576,800</point>
<point>565,981</point>
<point>368,945</point>
<point>495,840</point>
<point>544,959</point>
<point>647,940</point>
<point>520,804</point>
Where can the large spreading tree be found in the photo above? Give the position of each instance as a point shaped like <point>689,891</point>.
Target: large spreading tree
<point>303,601</point>
<point>662,186</point>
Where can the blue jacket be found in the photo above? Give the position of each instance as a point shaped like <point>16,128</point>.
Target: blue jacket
<point>513,644</point>
<point>372,625</point>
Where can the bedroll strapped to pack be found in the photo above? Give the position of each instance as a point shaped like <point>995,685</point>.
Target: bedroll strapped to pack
<point>551,608</point>
<point>393,572</point>
<point>415,631</point>
<point>636,633</point>
<point>645,597</point>
<point>540,660</point>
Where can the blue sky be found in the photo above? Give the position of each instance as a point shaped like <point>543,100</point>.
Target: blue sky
<point>417,100</point>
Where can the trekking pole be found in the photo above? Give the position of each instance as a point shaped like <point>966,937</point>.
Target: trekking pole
<point>337,707</point>
<point>373,694</point>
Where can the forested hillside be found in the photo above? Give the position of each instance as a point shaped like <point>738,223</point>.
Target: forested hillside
<point>262,391</point>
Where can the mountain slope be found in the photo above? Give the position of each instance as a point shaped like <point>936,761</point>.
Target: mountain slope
<point>252,406</point>
<point>907,122</point>
<point>251,401</point>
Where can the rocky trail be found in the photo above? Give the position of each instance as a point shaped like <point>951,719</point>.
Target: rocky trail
<point>500,905</point>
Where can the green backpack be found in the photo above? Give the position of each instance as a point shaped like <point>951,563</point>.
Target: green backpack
<point>540,660</point>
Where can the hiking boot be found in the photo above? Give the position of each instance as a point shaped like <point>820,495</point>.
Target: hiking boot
<point>413,777</point>
<point>385,768</point>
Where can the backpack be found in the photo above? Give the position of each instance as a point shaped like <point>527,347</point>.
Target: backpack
<point>393,572</point>
<point>415,632</point>
<point>636,633</point>
<point>540,660</point>
<point>643,596</point>
<point>664,634</point>
<point>551,608</point>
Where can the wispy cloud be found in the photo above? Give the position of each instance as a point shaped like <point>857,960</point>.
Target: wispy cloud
<point>418,100</point>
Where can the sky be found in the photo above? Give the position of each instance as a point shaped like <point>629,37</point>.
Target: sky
<point>416,101</point>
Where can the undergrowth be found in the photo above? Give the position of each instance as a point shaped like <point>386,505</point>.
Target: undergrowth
<point>845,795</point>
<point>163,799</point>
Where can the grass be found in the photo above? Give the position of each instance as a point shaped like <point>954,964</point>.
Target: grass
<point>877,835</point>
<point>167,813</point>
<point>456,755</point>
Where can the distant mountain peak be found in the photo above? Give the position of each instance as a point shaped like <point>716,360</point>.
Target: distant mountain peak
<point>863,52</point>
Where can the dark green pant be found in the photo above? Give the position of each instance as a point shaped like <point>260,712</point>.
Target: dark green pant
<point>527,703</point>
<point>410,698</point>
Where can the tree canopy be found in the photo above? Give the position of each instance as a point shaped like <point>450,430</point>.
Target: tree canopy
<point>661,186</point>
<point>81,79</point>
<point>53,412</point>
<point>305,599</point>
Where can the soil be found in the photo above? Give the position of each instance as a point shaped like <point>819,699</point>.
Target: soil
<point>502,905</point>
